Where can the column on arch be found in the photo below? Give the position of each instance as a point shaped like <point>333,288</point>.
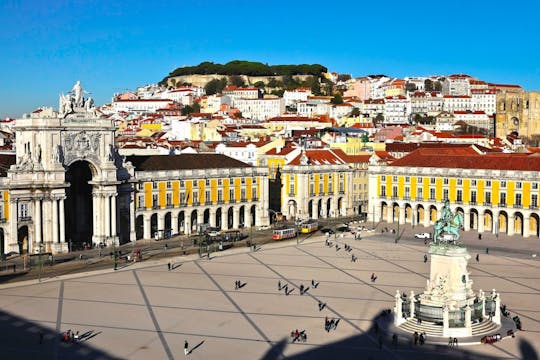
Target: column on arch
<point>55,220</point>
<point>526,225</point>
<point>114,214</point>
<point>146,226</point>
<point>37,221</point>
<point>511,225</point>
<point>61,204</point>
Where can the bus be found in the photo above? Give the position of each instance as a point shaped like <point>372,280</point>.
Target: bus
<point>286,232</point>
<point>309,226</point>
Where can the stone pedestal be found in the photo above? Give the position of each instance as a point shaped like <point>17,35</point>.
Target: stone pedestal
<point>59,248</point>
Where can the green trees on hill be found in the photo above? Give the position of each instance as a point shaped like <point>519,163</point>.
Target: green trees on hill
<point>249,68</point>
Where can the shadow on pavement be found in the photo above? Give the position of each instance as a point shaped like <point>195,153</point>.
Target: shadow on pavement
<point>377,344</point>
<point>20,339</point>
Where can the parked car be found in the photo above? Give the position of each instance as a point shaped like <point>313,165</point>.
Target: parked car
<point>327,231</point>
<point>422,236</point>
<point>343,228</point>
<point>263,227</point>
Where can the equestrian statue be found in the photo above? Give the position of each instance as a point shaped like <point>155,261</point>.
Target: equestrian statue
<point>448,224</point>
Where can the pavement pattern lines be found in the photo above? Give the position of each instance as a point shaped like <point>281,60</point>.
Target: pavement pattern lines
<point>148,311</point>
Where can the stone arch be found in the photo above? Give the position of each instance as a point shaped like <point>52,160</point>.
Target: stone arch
<point>206,216</point>
<point>79,203</point>
<point>167,226</point>
<point>23,240</point>
<point>408,213</point>
<point>181,222</point>
<point>310,209</point>
<point>518,223</point>
<point>384,211</point>
<point>139,227</point>
<point>340,207</point>
<point>219,218</point>
<point>242,216</point>
<point>292,208</point>
<point>328,207</point>
<point>488,221</point>
<point>420,214</point>
<point>433,214</point>
<point>320,208</point>
<point>194,228</point>
<point>253,214</point>
<point>395,212</point>
<point>473,219</point>
<point>502,222</point>
<point>2,246</point>
<point>230,217</point>
<point>534,224</point>
<point>153,226</point>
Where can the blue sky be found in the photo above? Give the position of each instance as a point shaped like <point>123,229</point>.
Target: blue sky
<point>47,45</point>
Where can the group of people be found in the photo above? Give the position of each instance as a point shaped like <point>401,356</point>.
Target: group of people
<point>70,336</point>
<point>298,335</point>
<point>452,342</point>
<point>330,324</point>
<point>420,338</point>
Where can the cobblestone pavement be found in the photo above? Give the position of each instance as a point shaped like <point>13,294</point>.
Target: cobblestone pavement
<point>145,311</point>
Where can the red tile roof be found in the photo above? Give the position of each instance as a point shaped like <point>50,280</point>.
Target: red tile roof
<point>469,159</point>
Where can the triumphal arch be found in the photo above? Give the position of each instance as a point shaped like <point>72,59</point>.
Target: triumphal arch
<point>68,187</point>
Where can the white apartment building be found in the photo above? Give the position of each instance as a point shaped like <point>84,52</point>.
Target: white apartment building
<point>293,96</point>
<point>396,110</point>
<point>453,103</point>
<point>377,91</point>
<point>456,85</point>
<point>372,107</point>
<point>419,82</point>
<point>260,109</point>
<point>484,100</point>
<point>429,103</point>
<point>181,96</point>
<point>140,106</point>
<point>474,118</point>
<point>236,93</point>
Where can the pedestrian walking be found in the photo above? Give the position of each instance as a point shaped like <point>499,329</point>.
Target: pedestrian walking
<point>395,340</point>
<point>479,236</point>
<point>41,337</point>
<point>279,285</point>
<point>450,342</point>
<point>455,342</point>
<point>487,251</point>
<point>477,257</point>
<point>186,348</point>
<point>169,266</point>
<point>301,289</point>
<point>415,336</point>
<point>425,258</point>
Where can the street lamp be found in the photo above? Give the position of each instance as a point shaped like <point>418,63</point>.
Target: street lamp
<point>40,249</point>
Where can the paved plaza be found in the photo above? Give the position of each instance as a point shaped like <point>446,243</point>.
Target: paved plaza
<point>145,311</point>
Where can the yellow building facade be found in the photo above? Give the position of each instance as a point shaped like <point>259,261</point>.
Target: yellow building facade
<point>497,200</point>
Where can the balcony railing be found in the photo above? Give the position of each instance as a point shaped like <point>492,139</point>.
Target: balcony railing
<point>221,202</point>
<point>472,202</point>
<point>517,206</point>
<point>25,218</point>
<point>502,204</point>
<point>195,203</point>
<point>487,203</point>
<point>459,201</point>
<point>533,207</point>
